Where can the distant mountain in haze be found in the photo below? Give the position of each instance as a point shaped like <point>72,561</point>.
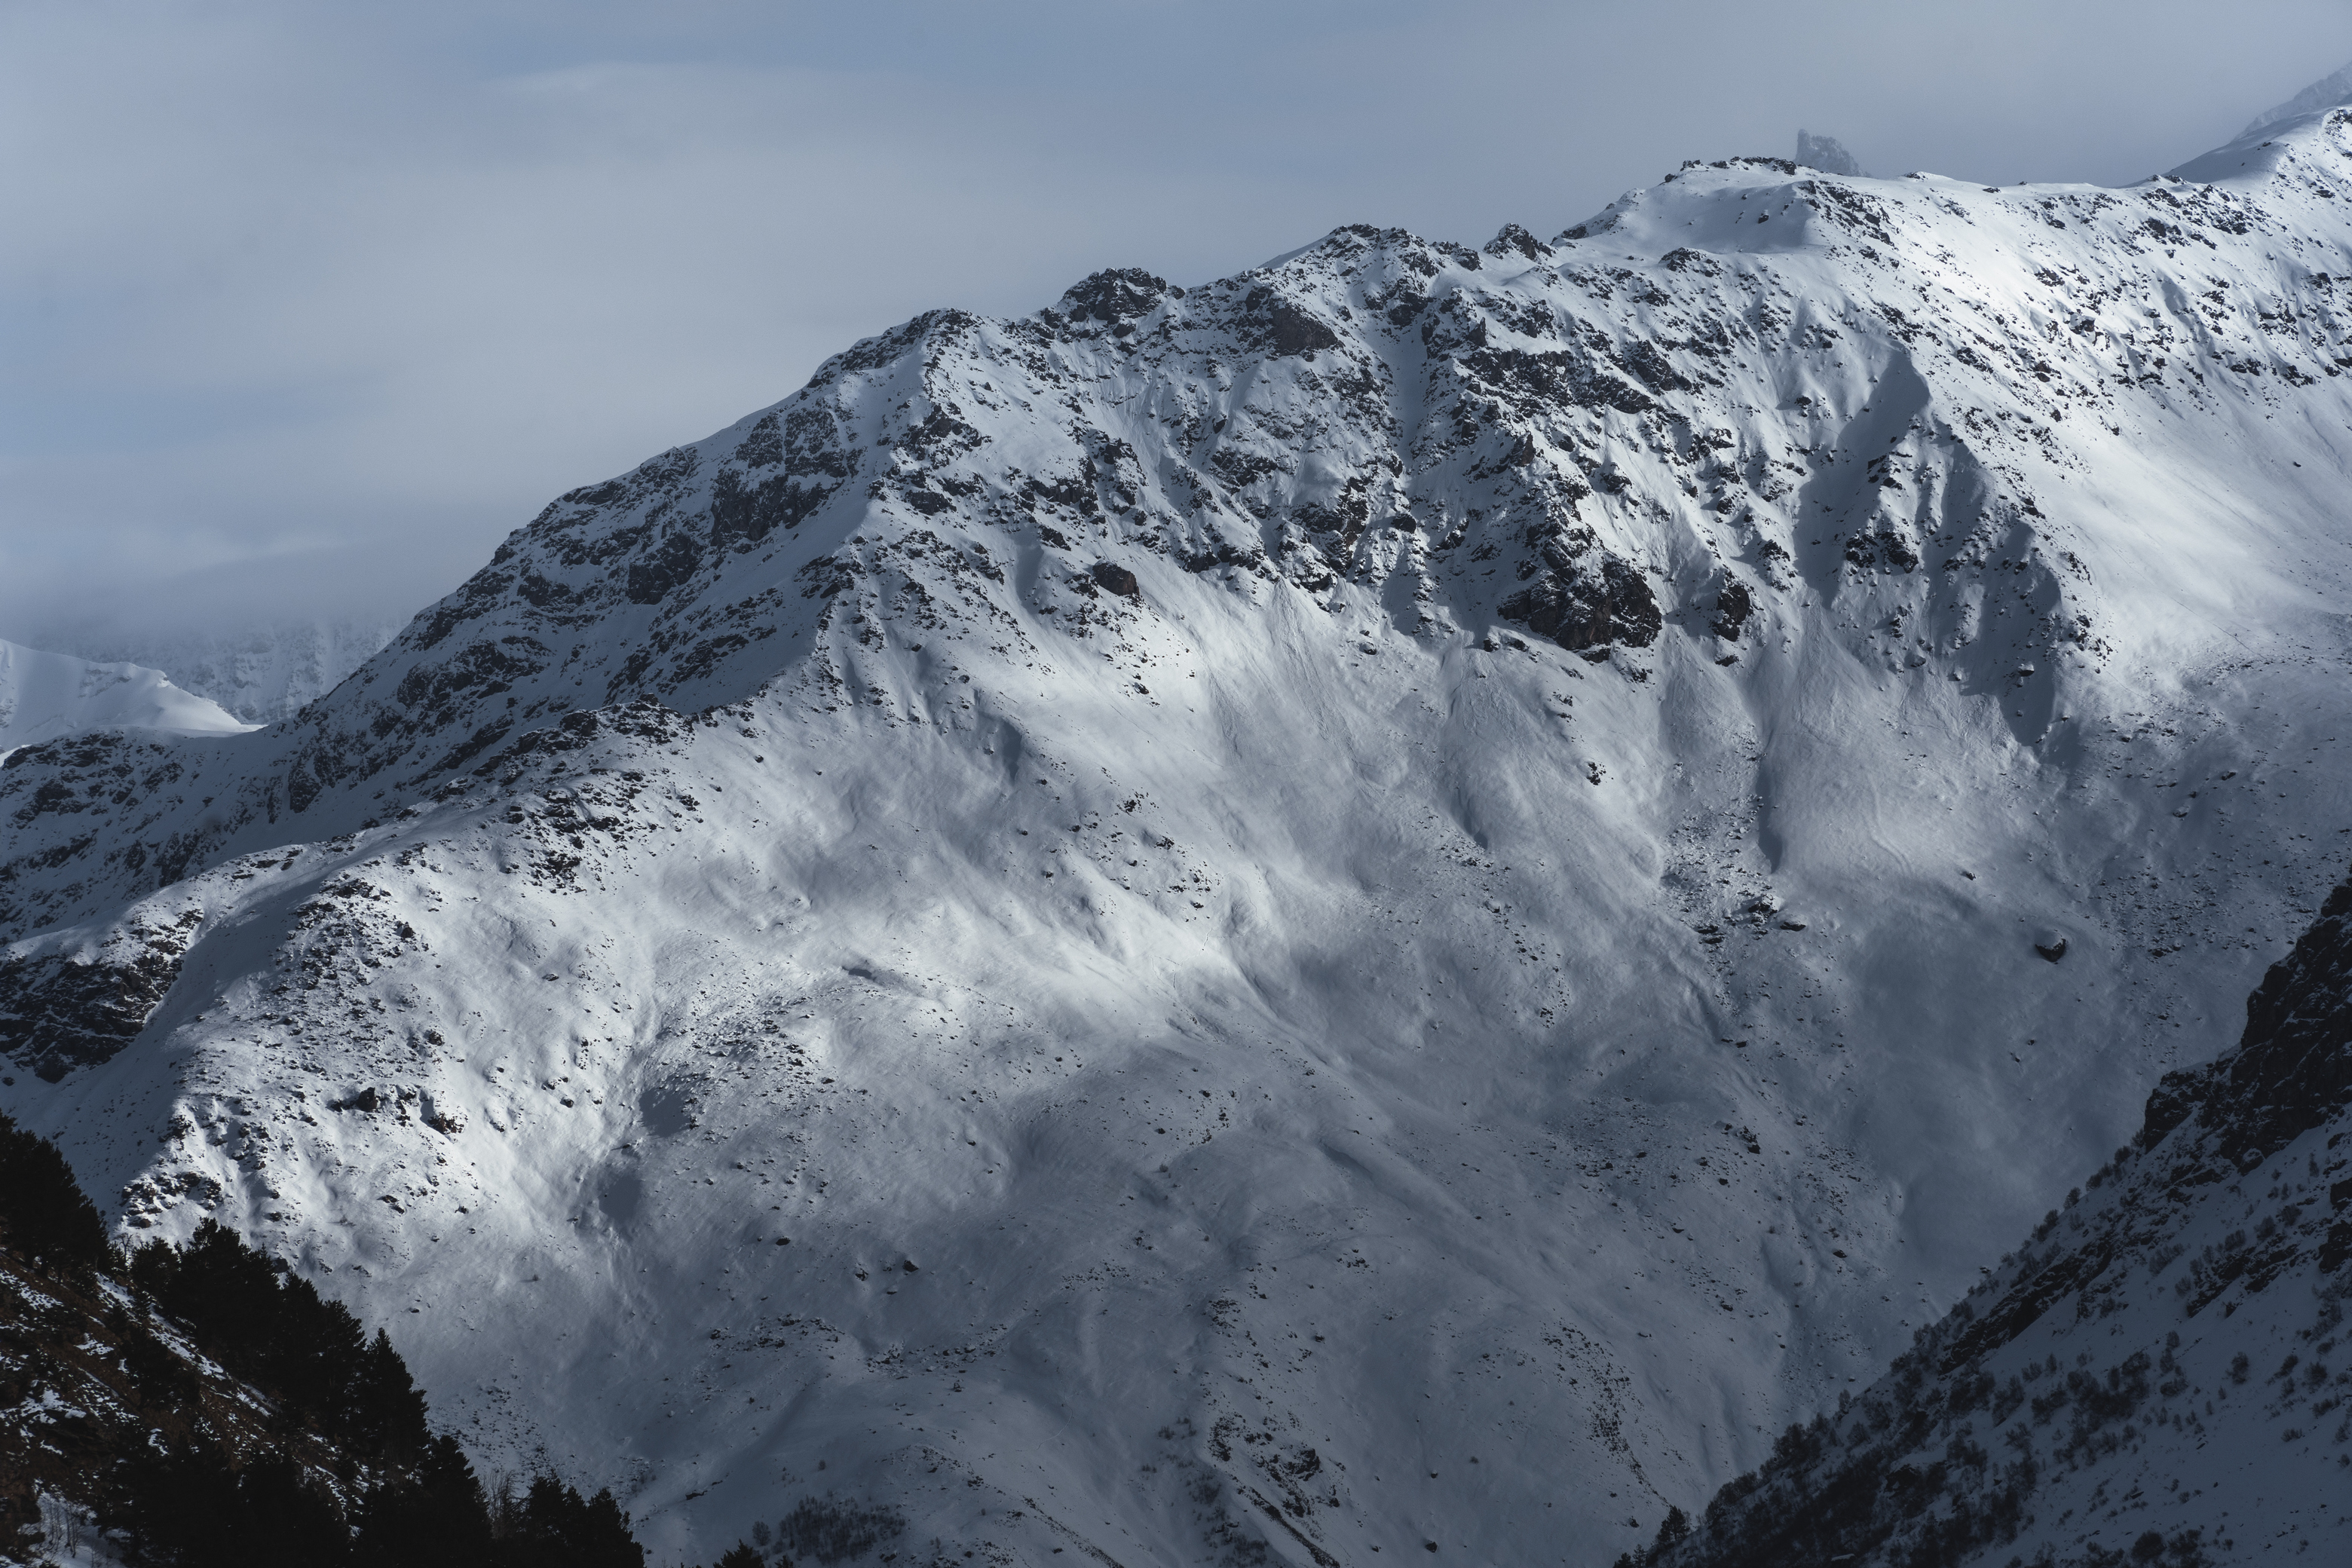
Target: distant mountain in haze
<point>48,696</point>
<point>261,674</point>
<point>1826,153</point>
<point>2326,93</point>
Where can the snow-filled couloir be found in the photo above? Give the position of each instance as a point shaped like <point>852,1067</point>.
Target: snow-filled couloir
<point>1401,902</point>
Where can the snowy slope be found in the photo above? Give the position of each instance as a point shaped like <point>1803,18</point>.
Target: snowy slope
<point>2155,1373</point>
<point>47,696</point>
<point>1114,924</point>
<point>261,674</point>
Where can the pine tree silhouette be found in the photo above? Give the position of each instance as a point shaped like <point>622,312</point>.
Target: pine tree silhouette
<point>43,1214</point>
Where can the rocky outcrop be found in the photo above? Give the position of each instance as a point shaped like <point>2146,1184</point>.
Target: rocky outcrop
<point>1583,597</point>
<point>75,1005</point>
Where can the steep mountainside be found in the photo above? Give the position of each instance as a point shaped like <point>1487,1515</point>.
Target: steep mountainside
<point>1110,925</point>
<point>2148,1379</point>
<point>47,696</point>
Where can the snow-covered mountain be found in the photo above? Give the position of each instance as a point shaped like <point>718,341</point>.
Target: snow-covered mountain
<point>47,696</point>
<point>2149,1378</point>
<point>1100,930</point>
<point>261,674</point>
<point>2327,92</point>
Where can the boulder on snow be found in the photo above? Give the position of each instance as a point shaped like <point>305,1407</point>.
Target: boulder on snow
<point>1119,579</point>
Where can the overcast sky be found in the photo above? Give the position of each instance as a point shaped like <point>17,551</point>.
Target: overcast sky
<point>303,307</point>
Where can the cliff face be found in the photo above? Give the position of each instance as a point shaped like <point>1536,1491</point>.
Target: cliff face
<point>1148,906</point>
<point>2158,1372</point>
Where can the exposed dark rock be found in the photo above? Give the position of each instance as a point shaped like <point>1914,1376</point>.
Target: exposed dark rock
<point>1114,295</point>
<point>63,1010</point>
<point>1583,597</point>
<point>1732,608</point>
<point>1280,328</point>
<point>742,513</point>
<point>1552,377</point>
<point>2292,1068</point>
<point>1513,240</point>
<point>669,566</point>
<point>1118,580</point>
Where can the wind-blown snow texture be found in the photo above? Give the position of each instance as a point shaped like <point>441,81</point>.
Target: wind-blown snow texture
<point>1115,925</point>
<point>47,696</point>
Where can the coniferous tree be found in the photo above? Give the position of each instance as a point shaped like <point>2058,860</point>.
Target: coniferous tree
<point>555,1527</point>
<point>384,1410</point>
<point>439,1517</point>
<point>43,1212</point>
<point>161,1377</point>
<point>192,1508</point>
<point>199,1504</point>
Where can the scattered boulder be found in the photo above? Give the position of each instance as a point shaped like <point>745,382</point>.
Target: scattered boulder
<point>2052,948</point>
<point>1119,579</point>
